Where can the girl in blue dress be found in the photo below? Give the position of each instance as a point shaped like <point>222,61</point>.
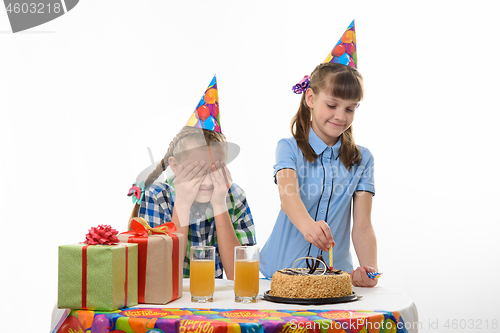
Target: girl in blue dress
<point>322,176</point>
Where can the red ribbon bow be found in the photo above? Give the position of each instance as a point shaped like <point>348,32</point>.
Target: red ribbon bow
<point>141,228</point>
<point>102,235</point>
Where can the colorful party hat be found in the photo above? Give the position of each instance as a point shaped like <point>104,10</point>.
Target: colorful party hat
<point>206,115</point>
<point>344,51</point>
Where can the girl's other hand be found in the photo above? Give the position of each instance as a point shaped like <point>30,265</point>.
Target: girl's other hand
<point>319,235</point>
<point>360,278</point>
<point>222,180</point>
<point>187,182</point>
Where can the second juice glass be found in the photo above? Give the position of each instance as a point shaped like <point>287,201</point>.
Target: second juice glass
<point>246,274</point>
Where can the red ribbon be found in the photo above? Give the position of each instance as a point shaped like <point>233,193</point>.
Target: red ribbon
<point>126,274</point>
<point>139,234</point>
<point>84,276</point>
<point>142,244</point>
<point>175,266</point>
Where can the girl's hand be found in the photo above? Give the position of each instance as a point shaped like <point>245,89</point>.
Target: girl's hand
<point>221,179</point>
<point>319,234</point>
<point>360,278</point>
<point>187,182</point>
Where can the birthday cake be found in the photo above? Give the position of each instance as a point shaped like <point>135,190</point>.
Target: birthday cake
<point>299,283</point>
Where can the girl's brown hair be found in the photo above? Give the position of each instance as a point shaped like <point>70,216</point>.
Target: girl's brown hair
<point>187,135</point>
<point>340,81</point>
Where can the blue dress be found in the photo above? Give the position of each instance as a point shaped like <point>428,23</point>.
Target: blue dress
<point>326,189</point>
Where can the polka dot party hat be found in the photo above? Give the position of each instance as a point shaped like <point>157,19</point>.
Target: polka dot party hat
<point>206,115</point>
<point>344,52</point>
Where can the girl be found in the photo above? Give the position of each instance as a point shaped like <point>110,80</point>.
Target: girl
<point>201,199</point>
<point>319,172</point>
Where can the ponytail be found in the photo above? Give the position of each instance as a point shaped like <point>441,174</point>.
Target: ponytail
<point>349,152</point>
<point>301,124</point>
<point>162,166</point>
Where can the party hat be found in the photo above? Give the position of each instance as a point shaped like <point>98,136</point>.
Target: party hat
<point>344,52</point>
<point>206,115</point>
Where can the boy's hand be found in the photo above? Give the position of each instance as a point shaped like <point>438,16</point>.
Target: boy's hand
<point>187,182</point>
<point>360,278</point>
<point>319,235</point>
<point>221,179</point>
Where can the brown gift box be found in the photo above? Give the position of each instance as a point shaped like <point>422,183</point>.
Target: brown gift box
<point>161,261</point>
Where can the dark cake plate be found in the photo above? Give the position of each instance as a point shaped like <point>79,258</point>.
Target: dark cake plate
<point>311,301</point>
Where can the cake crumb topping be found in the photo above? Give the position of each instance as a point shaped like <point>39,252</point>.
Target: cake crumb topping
<point>295,283</point>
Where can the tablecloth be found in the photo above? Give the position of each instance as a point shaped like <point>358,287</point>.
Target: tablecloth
<point>378,310</point>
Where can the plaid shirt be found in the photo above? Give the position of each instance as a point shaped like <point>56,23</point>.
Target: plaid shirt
<point>157,207</point>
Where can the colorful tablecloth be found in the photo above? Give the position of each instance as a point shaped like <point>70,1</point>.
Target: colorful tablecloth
<point>198,320</point>
<point>379,310</point>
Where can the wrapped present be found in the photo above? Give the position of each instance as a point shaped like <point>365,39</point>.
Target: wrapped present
<point>97,277</point>
<point>161,258</point>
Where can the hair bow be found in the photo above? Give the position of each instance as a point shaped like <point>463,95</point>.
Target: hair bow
<point>136,192</point>
<point>302,86</point>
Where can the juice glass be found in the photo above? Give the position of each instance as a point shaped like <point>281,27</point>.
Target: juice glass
<point>246,274</point>
<point>202,274</point>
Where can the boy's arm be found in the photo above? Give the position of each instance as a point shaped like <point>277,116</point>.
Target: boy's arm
<point>318,233</point>
<point>226,236</point>
<point>364,240</point>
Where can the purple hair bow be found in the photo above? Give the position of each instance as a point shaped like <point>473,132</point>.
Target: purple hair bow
<point>302,86</point>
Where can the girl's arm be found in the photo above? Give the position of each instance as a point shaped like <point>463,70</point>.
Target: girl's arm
<point>185,229</point>
<point>226,236</point>
<point>364,240</point>
<point>187,182</point>
<point>317,233</point>
<point>227,240</point>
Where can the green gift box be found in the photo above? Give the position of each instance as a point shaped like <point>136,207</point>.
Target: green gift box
<point>97,277</point>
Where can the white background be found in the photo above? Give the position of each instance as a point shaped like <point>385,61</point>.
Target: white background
<point>83,96</point>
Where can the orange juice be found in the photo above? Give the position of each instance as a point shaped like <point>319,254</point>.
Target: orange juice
<point>202,277</point>
<point>246,278</point>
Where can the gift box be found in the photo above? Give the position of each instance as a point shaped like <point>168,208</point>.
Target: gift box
<point>97,277</point>
<point>161,258</point>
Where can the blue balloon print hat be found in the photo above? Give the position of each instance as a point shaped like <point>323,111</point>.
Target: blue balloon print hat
<point>344,52</point>
<point>205,116</point>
